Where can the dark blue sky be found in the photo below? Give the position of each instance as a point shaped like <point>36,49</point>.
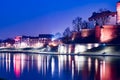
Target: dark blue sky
<point>32,17</point>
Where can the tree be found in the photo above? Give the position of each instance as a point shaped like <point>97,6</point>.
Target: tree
<point>9,40</point>
<point>85,25</point>
<point>77,24</point>
<point>67,32</point>
<point>66,35</point>
<point>101,17</point>
<point>58,35</point>
<point>102,10</point>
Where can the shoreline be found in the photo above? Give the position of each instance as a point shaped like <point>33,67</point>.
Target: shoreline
<point>56,53</point>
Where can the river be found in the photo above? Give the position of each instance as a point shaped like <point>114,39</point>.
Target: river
<point>22,66</point>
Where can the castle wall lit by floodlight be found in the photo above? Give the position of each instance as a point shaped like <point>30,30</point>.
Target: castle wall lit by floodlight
<point>118,12</point>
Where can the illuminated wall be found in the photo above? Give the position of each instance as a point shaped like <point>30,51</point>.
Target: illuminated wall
<point>84,33</point>
<point>87,32</point>
<point>108,33</point>
<point>118,12</point>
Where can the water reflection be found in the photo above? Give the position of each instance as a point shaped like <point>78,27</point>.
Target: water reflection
<point>58,67</point>
<point>17,64</point>
<point>39,63</point>
<point>96,65</point>
<point>89,63</point>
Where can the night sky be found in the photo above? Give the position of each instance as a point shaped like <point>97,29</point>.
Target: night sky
<point>33,17</point>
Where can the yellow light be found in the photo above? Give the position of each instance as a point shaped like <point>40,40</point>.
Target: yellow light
<point>53,44</point>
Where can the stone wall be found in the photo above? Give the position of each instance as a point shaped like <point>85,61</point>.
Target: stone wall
<point>106,33</point>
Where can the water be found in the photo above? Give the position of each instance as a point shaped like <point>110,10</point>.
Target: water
<point>21,66</point>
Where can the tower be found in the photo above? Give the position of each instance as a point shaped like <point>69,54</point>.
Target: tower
<point>118,12</point>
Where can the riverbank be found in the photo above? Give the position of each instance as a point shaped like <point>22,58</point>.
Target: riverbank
<point>56,53</point>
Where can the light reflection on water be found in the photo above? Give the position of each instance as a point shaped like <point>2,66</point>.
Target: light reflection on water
<point>58,67</point>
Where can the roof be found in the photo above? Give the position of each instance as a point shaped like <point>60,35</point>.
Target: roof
<point>102,14</point>
<point>31,37</point>
<point>45,35</point>
<point>40,36</point>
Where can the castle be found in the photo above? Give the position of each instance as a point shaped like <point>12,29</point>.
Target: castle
<point>108,24</point>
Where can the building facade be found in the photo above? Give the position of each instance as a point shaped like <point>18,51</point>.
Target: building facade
<point>36,42</point>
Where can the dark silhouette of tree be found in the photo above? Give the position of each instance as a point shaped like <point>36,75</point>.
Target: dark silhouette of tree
<point>67,32</point>
<point>101,17</point>
<point>85,25</point>
<point>66,35</point>
<point>104,16</point>
<point>9,40</point>
<point>77,24</point>
<point>102,10</point>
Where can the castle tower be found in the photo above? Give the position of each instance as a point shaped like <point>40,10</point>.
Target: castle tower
<point>118,12</point>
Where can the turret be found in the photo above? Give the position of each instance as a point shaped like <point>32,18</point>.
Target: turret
<point>118,12</point>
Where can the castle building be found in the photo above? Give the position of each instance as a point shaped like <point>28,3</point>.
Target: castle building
<point>104,18</point>
<point>107,17</point>
<point>108,24</point>
<point>118,12</point>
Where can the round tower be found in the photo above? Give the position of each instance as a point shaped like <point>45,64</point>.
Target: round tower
<point>118,12</point>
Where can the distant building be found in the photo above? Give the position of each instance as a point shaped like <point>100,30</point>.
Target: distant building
<point>45,38</point>
<point>30,41</point>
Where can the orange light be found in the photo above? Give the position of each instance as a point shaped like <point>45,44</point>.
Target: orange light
<point>53,44</point>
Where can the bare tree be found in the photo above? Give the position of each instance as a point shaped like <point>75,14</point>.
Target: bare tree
<point>85,25</point>
<point>77,24</point>
<point>67,32</point>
